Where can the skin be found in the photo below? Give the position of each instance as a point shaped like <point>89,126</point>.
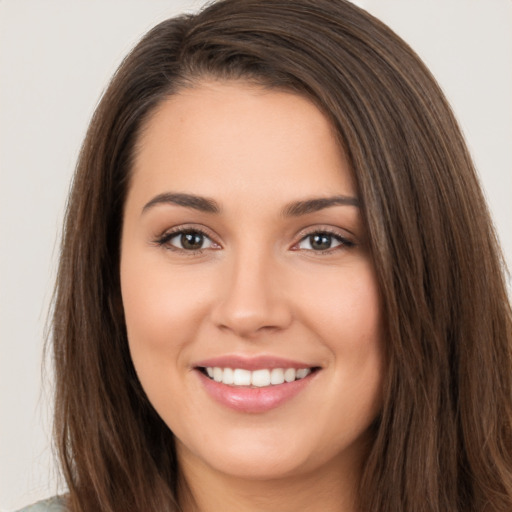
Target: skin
<point>257,287</point>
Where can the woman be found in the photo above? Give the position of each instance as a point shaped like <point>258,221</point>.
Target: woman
<point>279,286</point>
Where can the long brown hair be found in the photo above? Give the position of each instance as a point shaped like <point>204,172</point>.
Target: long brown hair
<point>443,439</point>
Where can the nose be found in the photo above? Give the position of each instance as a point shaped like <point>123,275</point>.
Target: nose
<point>252,299</point>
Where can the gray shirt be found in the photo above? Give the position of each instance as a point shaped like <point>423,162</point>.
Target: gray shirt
<point>56,504</point>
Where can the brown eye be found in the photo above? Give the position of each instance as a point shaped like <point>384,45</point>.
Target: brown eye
<point>192,241</point>
<point>189,240</point>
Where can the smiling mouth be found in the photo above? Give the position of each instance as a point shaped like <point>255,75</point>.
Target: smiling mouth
<point>240,377</point>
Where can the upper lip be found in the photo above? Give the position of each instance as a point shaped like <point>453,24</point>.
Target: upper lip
<point>251,362</point>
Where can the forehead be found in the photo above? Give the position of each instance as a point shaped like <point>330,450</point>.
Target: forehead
<point>239,138</point>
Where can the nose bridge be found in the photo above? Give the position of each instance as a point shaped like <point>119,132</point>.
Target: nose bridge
<point>251,299</point>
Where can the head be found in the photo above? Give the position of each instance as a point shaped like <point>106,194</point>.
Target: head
<point>443,309</point>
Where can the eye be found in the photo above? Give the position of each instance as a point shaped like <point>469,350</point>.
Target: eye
<point>187,240</point>
<point>322,241</point>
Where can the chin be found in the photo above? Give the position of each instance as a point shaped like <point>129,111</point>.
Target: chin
<point>260,454</point>
<point>255,464</point>
<point>267,454</point>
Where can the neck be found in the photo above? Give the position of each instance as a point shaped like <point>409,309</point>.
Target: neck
<point>330,489</point>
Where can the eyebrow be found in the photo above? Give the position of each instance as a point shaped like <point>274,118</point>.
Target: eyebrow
<point>202,204</point>
<point>298,208</point>
<point>207,205</point>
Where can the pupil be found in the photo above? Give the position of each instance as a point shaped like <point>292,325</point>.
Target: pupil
<point>320,242</point>
<point>192,241</point>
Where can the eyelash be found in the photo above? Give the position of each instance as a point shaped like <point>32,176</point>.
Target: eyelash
<point>164,241</point>
<point>344,242</point>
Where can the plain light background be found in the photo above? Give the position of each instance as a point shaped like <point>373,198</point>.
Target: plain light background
<point>56,57</point>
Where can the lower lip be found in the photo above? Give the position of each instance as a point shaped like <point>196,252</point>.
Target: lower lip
<point>253,400</point>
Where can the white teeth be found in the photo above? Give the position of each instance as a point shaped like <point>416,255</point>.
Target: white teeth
<point>260,378</point>
<point>289,374</point>
<point>241,377</point>
<point>303,372</point>
<point>277,376</point>
<point>227,376</point>
<point>257,378</point>
<point>217,374</point>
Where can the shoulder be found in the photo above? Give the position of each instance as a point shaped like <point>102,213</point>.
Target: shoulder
<point>56,504</point>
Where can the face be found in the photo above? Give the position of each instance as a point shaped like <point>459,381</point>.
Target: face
<point>251,304</point>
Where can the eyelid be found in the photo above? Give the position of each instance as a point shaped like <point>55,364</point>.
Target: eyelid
<point>165,236</point>
<point>346,238</point>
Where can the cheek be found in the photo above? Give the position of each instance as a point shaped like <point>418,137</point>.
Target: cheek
<point>347,311</point>
<point>161,314</point>
<point>154,314</point>
<point>161,304</point>
<point>348,320</point>
<point>147,306</point>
